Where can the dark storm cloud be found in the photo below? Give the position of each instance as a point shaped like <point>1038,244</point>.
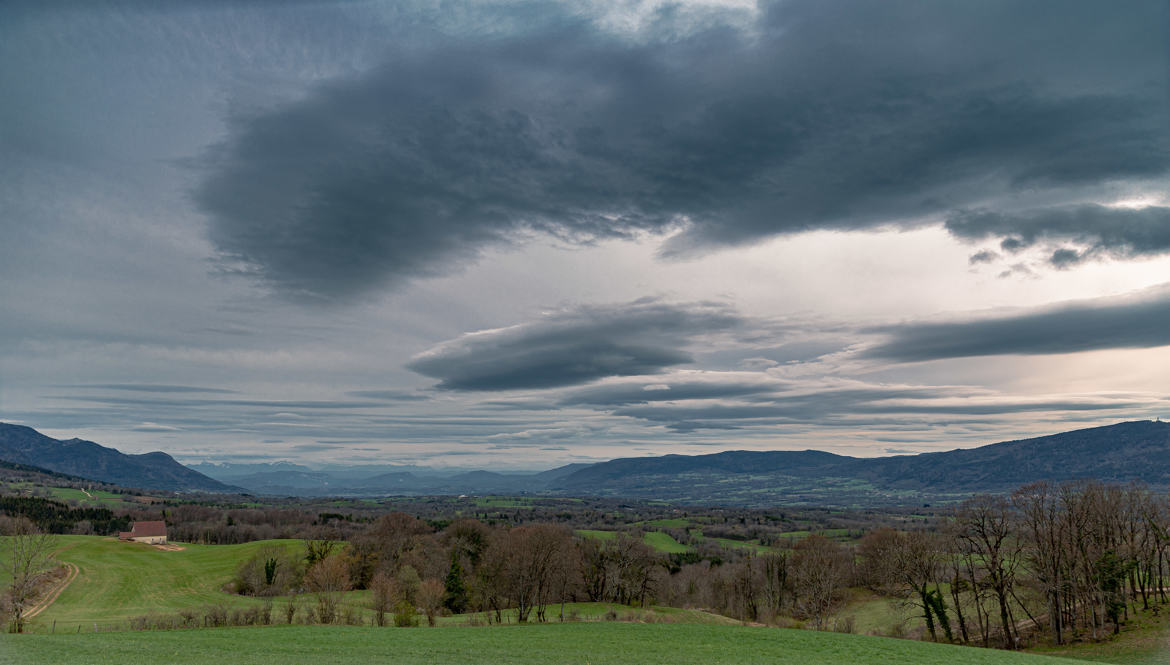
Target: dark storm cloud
<point>837,115</point>
<point>1080,326</point>
<point>575,346</point>
<point>1095,230</point>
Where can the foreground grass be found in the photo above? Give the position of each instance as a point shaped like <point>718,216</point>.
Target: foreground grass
<point>592,643</point>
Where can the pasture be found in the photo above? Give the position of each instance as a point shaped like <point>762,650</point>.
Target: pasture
<point>600,643</point>
<point>117,581</point>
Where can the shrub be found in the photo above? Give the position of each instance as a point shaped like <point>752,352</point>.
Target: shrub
<point>405,614</point>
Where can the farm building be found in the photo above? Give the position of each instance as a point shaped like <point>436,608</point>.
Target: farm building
<point>154,533</point>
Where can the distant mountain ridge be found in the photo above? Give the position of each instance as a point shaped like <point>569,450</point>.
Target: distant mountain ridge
<point>1137,451</point>
<point>297,480</point>
<point>86,459</point>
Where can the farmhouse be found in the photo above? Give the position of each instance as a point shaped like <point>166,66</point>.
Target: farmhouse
<point>154,533</point>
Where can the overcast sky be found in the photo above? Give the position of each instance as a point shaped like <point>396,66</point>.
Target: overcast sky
<point>522,234</point>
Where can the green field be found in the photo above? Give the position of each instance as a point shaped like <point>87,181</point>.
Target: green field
<point>659,540</point>
<point>664,542</point>
<point>117,580</point>
<point>89,499</point>
<point>596,534</point>
<point>585,643</point>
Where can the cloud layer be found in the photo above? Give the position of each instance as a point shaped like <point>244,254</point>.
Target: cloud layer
<point>842,115</point>
<point>1131,323</point>
<point>1092,230</point>
<point>572,346</point>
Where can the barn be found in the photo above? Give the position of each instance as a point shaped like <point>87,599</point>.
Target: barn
<point>154,533</point>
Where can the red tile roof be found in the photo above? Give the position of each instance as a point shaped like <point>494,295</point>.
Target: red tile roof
<point>148,529</point>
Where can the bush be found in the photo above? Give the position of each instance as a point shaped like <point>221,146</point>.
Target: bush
<point>405,614</point>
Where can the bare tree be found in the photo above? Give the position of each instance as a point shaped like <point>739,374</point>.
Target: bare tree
<point>985,523</point>
<point>384,593</point>
<point>1044,535</point>
<point>27,560</point>
<point>820,569</point>
<point>531,562</point>
<point>329,579</point>
<point>430,598</point>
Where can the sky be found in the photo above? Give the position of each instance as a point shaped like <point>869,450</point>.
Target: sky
<point>515,235</point>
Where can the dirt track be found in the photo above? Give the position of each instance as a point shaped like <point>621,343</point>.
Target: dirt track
<point>48,600</point>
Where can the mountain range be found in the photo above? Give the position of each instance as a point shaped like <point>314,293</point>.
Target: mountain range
<point>86,459</point>
<point>1136,451</point>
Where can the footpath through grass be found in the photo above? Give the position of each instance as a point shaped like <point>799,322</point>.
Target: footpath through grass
<point>549,644</point>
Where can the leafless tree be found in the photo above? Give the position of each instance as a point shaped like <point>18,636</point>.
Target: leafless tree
<point>985,523</point>
<point>1044,534</point>
<point>329,579</point>
<point>821,569</point>
<point>430,598</point>
<point>383,596</point>
<point>27,560</point>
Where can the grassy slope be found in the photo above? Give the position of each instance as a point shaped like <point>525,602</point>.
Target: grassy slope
<point>1145,641</point>
<point>593,643</point>
<point>119,581</point>
<point>122,580</point>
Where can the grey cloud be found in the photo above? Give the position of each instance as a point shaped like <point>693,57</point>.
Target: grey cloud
<point>984,256</point>
<point>242,403</point>
<point>855,404</point>
<point>1097,230</point>
<point>312,447</point>
<point>575,345</point>
<point>688,426</point>
<point>1017,269</point>
<point>389,395</point>
<point>1065,258</point>
<point>151,388</point>
<point>674,390</point>
<point>689,417</point>
<point>821,115</point>
<point>1110,323</point>
<point>155,427</point>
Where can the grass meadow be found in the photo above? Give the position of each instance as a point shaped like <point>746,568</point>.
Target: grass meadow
<point>117,581</point>
<point>599,643</point>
